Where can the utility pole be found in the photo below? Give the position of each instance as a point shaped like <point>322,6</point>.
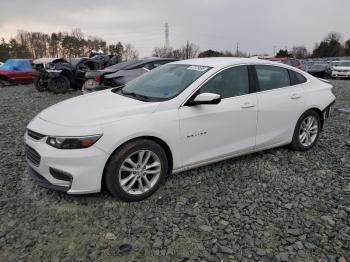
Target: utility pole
<point>166,35</point>
<point>237,49</point>
<point>187,50</point>
<point>274,50</point>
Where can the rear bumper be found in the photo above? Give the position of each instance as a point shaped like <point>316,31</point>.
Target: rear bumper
<point>327,111</point>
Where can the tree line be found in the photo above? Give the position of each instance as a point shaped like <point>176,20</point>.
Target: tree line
<point>75,44</point>
<point>35,45</point>
<point>331,46</point>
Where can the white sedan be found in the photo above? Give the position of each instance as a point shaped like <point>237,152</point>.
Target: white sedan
<point>180,116</point>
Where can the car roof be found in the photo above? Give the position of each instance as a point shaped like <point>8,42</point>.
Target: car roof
<point>221,62</point>
<point>16,59</point>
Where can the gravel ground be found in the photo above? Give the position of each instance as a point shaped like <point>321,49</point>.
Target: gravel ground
<point>276,205</point>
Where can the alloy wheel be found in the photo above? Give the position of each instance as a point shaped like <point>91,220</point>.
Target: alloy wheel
<point>308,131</point>
<point>139,172</point>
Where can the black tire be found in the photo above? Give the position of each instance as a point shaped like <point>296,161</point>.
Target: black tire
<point>296,143</point>
<point>3,82</point>
<point>40,85</point>
<point>59,85</point>
<point>112,171</point>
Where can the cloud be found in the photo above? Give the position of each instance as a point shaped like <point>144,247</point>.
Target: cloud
<point>257,25</point>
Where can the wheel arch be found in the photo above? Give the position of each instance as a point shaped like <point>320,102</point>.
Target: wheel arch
<point>4,77</point>
<point>67,73</point>
<point>320,114</point>
<point>155,139</point>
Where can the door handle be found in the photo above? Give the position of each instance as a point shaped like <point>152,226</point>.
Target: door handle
<point>295,96</point>
<point>247,105</point>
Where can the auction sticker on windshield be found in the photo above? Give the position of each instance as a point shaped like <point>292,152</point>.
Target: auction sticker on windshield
<point>198,68</point>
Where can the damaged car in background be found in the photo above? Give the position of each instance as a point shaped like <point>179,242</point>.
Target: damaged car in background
<point>58,75</point>
<point>120,74</point>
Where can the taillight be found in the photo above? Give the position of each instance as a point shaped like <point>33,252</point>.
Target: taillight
<point>98,79</point>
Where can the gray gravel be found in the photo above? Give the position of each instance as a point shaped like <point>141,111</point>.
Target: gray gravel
<point>275,205</point>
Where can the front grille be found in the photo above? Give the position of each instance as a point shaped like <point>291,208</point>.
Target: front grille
<point>34,135</point>
<point>33,156</point>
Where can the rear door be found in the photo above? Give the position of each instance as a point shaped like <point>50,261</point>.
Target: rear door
<point>280,103</point>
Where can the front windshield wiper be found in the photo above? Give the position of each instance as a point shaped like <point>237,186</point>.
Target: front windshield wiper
<point>134,95</point>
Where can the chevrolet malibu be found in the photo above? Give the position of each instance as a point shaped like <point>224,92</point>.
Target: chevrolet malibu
<point>180,116</point>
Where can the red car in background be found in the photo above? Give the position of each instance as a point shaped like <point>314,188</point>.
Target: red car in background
<point>289,61</point>
<point>16,71</point>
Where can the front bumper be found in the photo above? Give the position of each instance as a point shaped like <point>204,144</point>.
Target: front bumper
<point>75,171</point>
<point>341,74</point>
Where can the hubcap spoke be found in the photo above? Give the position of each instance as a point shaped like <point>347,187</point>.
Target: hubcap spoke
<point>125,168</point>
<point>153,165</point>
<point>147,182</point>
<point>147,157</point>
<point>131,162</point>
<point>130,185</point>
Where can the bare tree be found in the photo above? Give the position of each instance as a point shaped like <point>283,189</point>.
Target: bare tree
<point>130,52</point>
<point>163,52</point>
<point>299,52</point>
<point>189,50</point>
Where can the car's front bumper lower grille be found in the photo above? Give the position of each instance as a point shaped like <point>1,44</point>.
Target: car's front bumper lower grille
<point>42,181</point>
<point>32,156</point>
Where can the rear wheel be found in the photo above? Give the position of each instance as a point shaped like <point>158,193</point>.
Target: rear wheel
<point>136,170</point>
<point>307,131</point>
<point>59,85</point>
<point>39,84</point>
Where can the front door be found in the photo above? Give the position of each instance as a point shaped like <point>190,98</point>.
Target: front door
<point>209,132</point>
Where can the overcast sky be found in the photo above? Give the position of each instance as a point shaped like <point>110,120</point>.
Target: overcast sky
<point>257,25</point>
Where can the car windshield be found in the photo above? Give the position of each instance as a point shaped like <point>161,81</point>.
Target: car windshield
<point>344,63</point>
<point>123,65</point>
<point>75,61</point>
<point>164,82</point>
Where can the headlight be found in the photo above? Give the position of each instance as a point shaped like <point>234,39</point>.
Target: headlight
<point>50,66</point>
<point>72,142</point>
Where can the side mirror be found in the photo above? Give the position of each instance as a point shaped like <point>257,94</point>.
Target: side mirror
<point>205,99</point>
<point>15,68</point>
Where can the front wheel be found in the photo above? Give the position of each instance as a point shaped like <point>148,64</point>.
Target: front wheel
<point>307,131</point>
<point>40,84</point>
<point>59,85</point>
<point>3,83</point>
<point>136,170</point>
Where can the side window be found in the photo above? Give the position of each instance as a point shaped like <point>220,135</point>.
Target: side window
<point>289,62</point>
<point>159,63</point>
<point>295,63</point>
<point>149,66</point>
<point>297,78</point>
<point>272,77</point>
<point>229,83</point>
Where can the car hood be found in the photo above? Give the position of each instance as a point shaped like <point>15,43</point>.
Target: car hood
<point>95,109</point>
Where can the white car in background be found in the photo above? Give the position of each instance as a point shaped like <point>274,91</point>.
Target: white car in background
<point>180,116</point>
<point>341,69</point>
